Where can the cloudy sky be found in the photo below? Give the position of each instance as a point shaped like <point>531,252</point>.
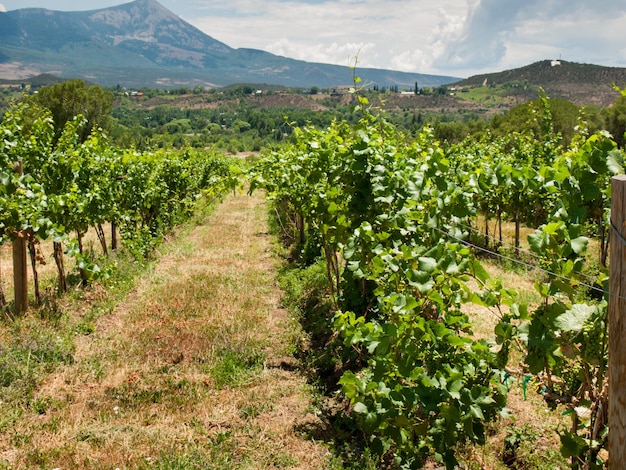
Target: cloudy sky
<point>448,37</point>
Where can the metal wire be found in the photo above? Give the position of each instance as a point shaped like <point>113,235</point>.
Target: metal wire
<point>617,232</point>
<point>529,265</point>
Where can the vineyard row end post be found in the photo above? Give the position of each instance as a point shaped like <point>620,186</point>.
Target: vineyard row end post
<point>617,326</point>
<point>20,272</point>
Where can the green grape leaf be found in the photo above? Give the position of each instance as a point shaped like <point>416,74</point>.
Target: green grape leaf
<point>572,445</point>
<point>615,162</point>
<point>360,408</point>
<point>574,319</point>
<point>579,245</point>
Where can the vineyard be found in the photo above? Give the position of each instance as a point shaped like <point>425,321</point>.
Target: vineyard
<point>401,227</point>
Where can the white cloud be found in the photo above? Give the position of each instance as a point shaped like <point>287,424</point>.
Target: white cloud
<point>500,34</point>
<point>410,61</point>
<point>396,34</point>
<point>2,7</point>
<point>337,53</point>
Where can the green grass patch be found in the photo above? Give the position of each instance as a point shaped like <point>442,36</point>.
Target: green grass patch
<point>306,295</point>
<point>33,350</point>
<point>253,410</point>
<point>521,450</point>
<point>235,367</point>
<point>220,454</point>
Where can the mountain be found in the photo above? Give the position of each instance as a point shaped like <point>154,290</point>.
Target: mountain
<point>579,83</point>
<point>142,43</point>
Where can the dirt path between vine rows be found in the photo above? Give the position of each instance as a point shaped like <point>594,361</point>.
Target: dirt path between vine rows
<point>193,370</point>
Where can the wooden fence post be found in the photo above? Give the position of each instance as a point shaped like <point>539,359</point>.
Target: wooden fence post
<point>20,275</point>
<point>113,236</point>
<point>617,326</point>
<point>20,270</point>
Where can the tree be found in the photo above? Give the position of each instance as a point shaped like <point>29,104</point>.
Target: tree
<point>528,117</point>
<point>451,132</point>
<point>69,99</point>
<point>615,120</point>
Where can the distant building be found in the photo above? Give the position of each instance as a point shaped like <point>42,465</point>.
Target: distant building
<point>554,63</point>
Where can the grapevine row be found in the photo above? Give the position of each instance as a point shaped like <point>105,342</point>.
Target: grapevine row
<point>57,189</point>
<point>390,216</point>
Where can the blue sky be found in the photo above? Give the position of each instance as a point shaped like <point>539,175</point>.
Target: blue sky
<point>449,37</point>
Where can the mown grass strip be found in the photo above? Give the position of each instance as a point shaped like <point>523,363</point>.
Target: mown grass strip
<point>180,373</point>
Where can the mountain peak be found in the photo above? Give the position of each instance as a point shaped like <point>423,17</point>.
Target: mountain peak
<point>140,14</point>
<point>147,3</point>
<point>145,6</point>
<point>133,25</point>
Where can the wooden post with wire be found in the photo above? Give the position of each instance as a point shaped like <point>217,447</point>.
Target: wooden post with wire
<point>617,326</point>
<point>20,266</point>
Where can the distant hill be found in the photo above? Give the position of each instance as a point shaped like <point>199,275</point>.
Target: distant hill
<point>35,82</point>
<point>142,44</point>
<point>580,83</point>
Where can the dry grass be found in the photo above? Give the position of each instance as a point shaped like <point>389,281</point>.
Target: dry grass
<point>185,372</point>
